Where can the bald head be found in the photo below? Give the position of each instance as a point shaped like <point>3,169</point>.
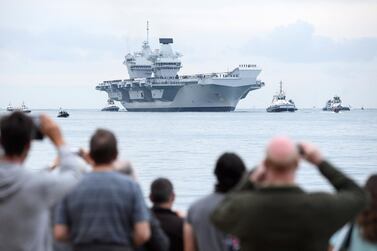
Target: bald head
<point>282,154</point>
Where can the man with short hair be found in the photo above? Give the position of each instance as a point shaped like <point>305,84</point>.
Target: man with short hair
<point>106,211</point>
<point>162,196</point>
<point>268,211</point>
<point>199,232</point>
<point>26,197</point>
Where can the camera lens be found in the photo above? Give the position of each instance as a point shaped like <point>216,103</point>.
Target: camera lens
<point>37,133</point>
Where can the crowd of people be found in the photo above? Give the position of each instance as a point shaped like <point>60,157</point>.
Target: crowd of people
<point>104,209</point>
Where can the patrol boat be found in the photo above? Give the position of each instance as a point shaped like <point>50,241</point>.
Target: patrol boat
<point>62,113</point>
<point>335,105</point>
<point>154,83</point>
<point>280,104</point>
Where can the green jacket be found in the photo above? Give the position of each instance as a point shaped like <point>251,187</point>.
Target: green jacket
<point>286,218</point>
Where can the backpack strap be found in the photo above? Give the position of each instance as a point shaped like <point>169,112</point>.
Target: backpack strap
<point>347,240</point>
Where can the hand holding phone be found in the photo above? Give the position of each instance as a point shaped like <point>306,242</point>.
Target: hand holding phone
<point>310,153</point>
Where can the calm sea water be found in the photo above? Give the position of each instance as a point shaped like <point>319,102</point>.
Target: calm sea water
<point>184,146</point>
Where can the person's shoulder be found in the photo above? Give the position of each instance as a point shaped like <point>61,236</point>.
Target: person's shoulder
<point>122,178</point>
<point>108,175</point>
<point>117,175</point>
<point>208,201</point>
<point>124,181</point>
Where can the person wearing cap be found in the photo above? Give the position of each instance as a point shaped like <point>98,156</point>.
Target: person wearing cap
<point>269,211</point>
<point>199,232</point>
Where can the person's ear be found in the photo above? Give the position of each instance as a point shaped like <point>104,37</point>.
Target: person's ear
<point>172,197</point>
<point>27,147</point>
<point>296,163</point>
<point>266,164</point>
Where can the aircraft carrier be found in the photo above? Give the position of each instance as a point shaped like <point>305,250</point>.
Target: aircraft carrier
<point>154,83</point>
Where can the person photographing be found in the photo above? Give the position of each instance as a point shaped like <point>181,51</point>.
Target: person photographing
<point>26,197</point>
<point>269,211</point>
<point>106,211</point>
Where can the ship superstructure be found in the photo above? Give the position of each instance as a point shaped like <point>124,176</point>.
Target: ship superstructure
<point>154,83</point>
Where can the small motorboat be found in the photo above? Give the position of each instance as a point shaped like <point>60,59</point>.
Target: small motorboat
<point>111,107</point>
<point>62,113</point>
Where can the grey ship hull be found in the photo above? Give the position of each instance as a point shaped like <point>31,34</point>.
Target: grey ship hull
<point>180,98</point>
<point>281,109</point>
<point>339,108</point>
<point>184,109</point>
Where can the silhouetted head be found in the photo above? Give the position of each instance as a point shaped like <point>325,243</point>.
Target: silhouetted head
<point>229,170</point>
<point>162,191</point>
<point>16,132</point>
<point>103,147</point>
<point>281,155</point>
<point>368,218</point>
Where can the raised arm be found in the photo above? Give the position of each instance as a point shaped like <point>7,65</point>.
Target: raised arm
<point>55,186</point>
<point>350,198</point>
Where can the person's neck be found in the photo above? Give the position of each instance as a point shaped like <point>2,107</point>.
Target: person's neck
<point>19,160</point>
<point>166,205</point>
<point>103,168</point>
<point>280,179</point>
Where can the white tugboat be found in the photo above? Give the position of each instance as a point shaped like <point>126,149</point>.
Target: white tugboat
<point>154,83</point>
<point>335,105</point>
<point>10,108</point>
<point>111,107</point>
<point>280,104</point>
<point>24,108</point>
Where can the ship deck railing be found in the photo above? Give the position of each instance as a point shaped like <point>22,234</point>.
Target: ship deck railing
<point>177,80</point>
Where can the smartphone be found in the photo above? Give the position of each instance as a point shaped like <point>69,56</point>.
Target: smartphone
<point>301,150</point>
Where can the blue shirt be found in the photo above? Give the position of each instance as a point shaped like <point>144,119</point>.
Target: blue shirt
<point>102,209</point>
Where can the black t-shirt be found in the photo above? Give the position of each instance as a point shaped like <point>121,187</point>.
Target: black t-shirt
<point>172,224</point>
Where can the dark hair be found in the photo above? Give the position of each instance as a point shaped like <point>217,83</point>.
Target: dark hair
<point>161,190</point>
<point>103,147</point>
<point>229,170</point>
<point>368,218</point>
<point>16,132</point>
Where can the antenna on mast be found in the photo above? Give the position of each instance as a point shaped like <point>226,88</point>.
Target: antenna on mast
<point>147,31</point>
<point>281,88</point>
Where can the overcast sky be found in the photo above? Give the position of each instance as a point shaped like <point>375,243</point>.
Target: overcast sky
<point>53,53</point>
